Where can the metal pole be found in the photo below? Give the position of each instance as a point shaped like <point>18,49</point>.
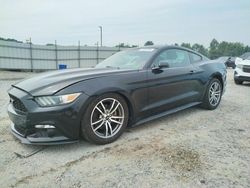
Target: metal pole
<point>56,55</point>
<point>100,35</point>
<point>97,53</point>
<point>31,58</point>
<point>79,54</point>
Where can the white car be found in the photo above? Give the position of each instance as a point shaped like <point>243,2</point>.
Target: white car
<point>242,70</point>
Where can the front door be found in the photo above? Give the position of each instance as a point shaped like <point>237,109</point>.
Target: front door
<point>172,86</point>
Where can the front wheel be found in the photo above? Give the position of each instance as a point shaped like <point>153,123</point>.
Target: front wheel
<point>105,119</point>
<point>213,94</point>
<point>238,82</point>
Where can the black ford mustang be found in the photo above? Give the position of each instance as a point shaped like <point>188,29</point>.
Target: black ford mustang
<point>127,89</point>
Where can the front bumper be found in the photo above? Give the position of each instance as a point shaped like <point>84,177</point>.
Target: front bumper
<point>242,78</point>
<point>40,140</point>
<point>64,120</point>
<point>240,75</point>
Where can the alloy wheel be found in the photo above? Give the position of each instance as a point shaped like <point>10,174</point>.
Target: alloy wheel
<point>214,93</point>
<point>107,118</point>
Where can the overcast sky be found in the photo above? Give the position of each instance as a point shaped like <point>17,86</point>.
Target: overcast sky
<point>128,21</point>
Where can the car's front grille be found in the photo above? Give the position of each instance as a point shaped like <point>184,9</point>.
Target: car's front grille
<point>17,103</point>
<point>246,68</point>
<point>20,130</point>
<point>24,131</point>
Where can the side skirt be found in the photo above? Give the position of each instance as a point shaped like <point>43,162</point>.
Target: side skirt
<point>166,113</point>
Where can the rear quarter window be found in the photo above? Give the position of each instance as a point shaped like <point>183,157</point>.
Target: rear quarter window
<point>195,57</point>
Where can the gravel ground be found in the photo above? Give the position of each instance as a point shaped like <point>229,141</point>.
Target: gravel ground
<point>192,148</point>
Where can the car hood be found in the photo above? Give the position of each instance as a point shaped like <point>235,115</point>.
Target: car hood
<point>242,61</point>
<point>51,82</point>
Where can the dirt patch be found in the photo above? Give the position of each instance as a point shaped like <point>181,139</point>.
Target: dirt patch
<point>179,158</point>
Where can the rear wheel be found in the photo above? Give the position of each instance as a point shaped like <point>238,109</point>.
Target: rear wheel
<point>213,95</point>
<point>105,119</point>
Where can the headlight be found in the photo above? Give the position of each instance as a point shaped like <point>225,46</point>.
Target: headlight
<point>240,66</point>
<point>56,100</point>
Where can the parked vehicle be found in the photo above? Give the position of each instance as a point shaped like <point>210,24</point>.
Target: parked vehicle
<point>242,70</point>
<point>229,61</point>
<point>127,89</point>
<point>245,55</point>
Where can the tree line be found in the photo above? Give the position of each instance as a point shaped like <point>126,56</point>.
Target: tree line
<point>10,40</point>
<point>216,49</point>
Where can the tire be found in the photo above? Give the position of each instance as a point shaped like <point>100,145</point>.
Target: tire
<point>238,82</point>
<point>212,96</point>
<point>105,119</point>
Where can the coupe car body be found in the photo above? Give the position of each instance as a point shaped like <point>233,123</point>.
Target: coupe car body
<point>127,89</point>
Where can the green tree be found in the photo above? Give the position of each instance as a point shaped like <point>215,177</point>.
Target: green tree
<point>134,46</point>
<point>214,44</point>
<point>213,49</point>
<point>247,49</point>
<point>149,43</point>
<point>200,48</point>
<point>186,45</point>
<point>232,49</point>
<point>11,40</point>
<point>123,45</point>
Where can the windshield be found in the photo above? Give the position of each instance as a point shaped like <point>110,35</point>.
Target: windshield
<point>246,56</point>
<point>130,59</point>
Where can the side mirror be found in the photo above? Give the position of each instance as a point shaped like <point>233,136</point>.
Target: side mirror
<point>162,64</point>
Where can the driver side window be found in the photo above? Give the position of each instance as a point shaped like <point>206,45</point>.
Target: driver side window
<point>174,57</point>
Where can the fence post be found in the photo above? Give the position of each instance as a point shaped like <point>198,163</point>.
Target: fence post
<point>79,54</point>
<point>56,55</point>
<point>97,53</point>
<point>31,58</point>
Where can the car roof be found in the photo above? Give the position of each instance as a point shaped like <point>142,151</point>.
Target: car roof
<point>165,47</point>
<point>161,47</point>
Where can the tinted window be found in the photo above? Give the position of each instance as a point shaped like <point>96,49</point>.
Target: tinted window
<point>174,57</point>
<point>195,58</point>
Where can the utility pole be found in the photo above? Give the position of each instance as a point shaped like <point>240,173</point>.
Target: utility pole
<point>97,53</point>
<point>79,54</point>
<point>100,35</point>
<point>31,58</point>
<point>56,55</point>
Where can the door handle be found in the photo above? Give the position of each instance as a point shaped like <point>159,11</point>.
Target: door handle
<point>192,71</point>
